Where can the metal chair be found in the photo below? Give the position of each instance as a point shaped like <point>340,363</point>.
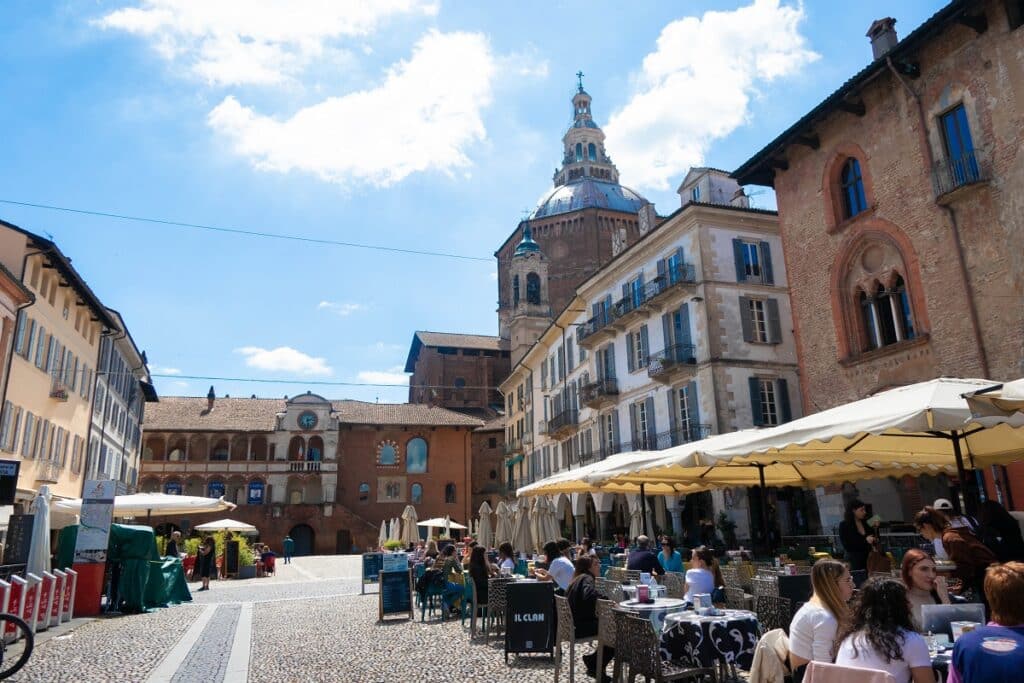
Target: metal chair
<point>617,574</point>
<point>497,599</point>
<point>765,585</point>
<point>735,598</point>
<point>731,576</point>
<point>606,637</point>
<point>470,606</point>
<point>642,649</point>
<point>566,634</point>
<point>604,587</point>
<point>675,584</point>
<point>632,575</point>
<point>773,612</point>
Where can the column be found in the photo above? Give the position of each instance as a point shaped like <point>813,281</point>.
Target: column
<point>602,525</point>
<point>580,523</point>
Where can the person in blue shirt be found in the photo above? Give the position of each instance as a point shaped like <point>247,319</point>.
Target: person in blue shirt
<point>669,557</point>
<point>995,653</point>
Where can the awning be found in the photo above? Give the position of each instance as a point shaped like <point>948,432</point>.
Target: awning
<point>514,460</point>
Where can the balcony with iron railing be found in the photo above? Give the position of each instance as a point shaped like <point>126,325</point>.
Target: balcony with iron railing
<point>48,472</point>
<point>952,177</point>
<point>564,423</point>
<point>601,393</point>
<point>595,330</point>
<point>513,447</point>
<point>58,387</point>
<point>671,362</point>
<point>675,437</point>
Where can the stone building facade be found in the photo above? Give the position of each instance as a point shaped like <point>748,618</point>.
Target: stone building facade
<point>686,333</point>
<point>325,472</point>
<point>900,211</point>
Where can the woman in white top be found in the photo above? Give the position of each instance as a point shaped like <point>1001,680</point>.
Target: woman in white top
<point>812,632</point>
<point>704,574</point>
<point>880,635</point>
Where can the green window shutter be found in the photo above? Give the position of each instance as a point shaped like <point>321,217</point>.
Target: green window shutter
<point>693,406</point>
<point>766,263</point>
<point>774,325</point>
<point>630,352</point>
<point>782,396</point>
<point>755,401</point>
<point>652,430</point>
<point>745,322</point>
<point>644,346</point>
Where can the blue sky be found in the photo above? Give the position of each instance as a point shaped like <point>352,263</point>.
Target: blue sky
<point>414,124</point>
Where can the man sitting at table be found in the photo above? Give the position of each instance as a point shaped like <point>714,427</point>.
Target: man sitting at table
<point>995,653</point>
<point>643,558</point>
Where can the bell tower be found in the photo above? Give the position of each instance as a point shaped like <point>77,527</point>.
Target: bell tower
<point>531,307</point>
<point>583,152</point>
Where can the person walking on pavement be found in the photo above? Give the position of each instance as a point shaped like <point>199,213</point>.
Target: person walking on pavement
<point>289,548</point>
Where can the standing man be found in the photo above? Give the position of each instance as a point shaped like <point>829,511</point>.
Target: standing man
<point>289,548</point>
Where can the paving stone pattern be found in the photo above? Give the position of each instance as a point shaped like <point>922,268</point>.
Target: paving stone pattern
<point>227,591</point>
<point>208,658</point>
<point>111,649</point>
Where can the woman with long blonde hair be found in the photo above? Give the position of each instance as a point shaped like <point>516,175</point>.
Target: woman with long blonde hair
<point>812,632</point>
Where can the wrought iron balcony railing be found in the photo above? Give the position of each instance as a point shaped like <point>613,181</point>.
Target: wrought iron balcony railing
<point>952,173</point>
<point>566,419</point>
<point>601,391</point>
<point>663,361</point>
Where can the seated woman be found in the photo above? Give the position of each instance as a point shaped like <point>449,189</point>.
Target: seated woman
<point>480,570</point>
<point>669,557</point>
<point>451,569</point>
<point>880,635</point>
<point>812,632</point>
<point>924,586</point>
<point>506,557</point>
<point>703,576</point>
<point>582,596</point>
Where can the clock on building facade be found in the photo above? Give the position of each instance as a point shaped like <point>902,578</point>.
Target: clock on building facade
<point>307,420</point>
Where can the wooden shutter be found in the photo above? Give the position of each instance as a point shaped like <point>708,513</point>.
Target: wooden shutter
<point>666,330</point>
<point>652,430</point>
<point>684,325</point>
<point>755,401</point>
<point>766,263</point>
<point>673,414</point>
<point>543,376</point>
<point>610,356</point>
<point>774,326</point>
<point>630,353</point>
<point>633,436</point>
<point>693,408</point>
<point>737,253</point>
<point>645,349</point>
<point>745,322</point>
<point>616,439</point>
<point>663,273</point>
<point>782,396</point>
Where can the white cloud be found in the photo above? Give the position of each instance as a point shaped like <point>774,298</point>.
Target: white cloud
<point>256,42</point>
<point>425,115</point>
<point>342,309</point>
<point>696,86</point>
<point>494,275</point>
<point>384,346</point>
<point>180,384</point>
<point>284,358</point>
<point>160,370</point>
<point>393,375</point>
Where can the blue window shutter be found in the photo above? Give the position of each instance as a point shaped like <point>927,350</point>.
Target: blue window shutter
<point>782,396</point>
<point>630,364</point>
<point>644,345</point>
<point>737,252</point>
<point>616,439</point>
<point>632,426</point>
<point>766,263</point>
<point>746,324</point>
<point>666,330</point>
<point>693,408</point>
<point>774,325</point>
<point>652,430</point>
<point>684,325</point>
<point>673,414</point>
<point>611,362</point>
<point>663,273</point>
<point>625,291</point>
<point>755,401</point>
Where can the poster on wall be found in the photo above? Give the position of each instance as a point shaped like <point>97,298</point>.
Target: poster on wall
<point>94,521</point>
<point>255,493</point>
<point>172,488</point>
<point>215,489</point>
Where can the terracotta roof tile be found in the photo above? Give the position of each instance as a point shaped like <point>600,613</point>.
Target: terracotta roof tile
<point>358,412</point>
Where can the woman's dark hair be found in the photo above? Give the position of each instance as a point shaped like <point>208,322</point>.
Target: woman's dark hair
<point>582,565</point>
<point>852,507</point>
<point>879,614</point>
<point>708,558</point>
<point>449,550</point>
<point>506,549</point>
<point>932,517</point>
<point>551,551</point>
<point>667,540</point>
<point>587,543</point>
<point>478,558</point>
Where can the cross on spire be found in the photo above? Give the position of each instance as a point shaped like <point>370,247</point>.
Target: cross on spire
<point>579,80</point>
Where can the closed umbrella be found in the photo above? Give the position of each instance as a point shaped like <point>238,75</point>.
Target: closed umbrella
<point>522,540</point>
<point>485,535</point>
<point>396,531</point>
<point>536,509</point>
<point>635,522</point>
<point>410,532</point>
<point>382,537</point>
<point>549,523</point>
<point>447,526</point>
<point>39,548</point>
<point>503,523</point>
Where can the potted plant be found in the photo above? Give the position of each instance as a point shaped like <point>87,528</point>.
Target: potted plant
<point>393,546</point>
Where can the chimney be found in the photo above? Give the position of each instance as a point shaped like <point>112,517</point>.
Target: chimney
<point>210,396</point>
<point>883,36</point>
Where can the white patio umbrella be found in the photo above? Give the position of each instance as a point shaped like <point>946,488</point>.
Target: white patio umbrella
<point>447,526</point>
<point>998,400</point>
<point>521,538</point>
<point>439,523</point>
<point>396,532</point>
<point>152,504</point>
<point>39,548</point>
<point>382,537</point>
<point>535,507</point>
<point>503,525</point>
<point>410,534</point>
<point>227,525</point>
<point>485,535</point>
<point>551,522</point>
<point>635,522</point>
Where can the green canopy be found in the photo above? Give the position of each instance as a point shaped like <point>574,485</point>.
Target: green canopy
<point>146,579</point>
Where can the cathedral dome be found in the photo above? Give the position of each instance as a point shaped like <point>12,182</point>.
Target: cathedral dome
<point>588,193</point>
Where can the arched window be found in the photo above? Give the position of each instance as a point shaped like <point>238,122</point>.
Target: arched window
<point>416,494</point>
<point>173,488</point>
<point>886,314</point>
<point>255,493</point>
<point>176,455</point>
<point>449,493</point>
<point>416,456</point>
<point>852,185</point>
<point>515,290</point>
<point>579,151</point>
<point>533,289</point>
<point>387,455</point>
<point>215,489</point>
<point>592,151</point>
<point>364,492</point>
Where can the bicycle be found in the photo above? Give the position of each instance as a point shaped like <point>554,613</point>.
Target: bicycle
<point>16,647</point>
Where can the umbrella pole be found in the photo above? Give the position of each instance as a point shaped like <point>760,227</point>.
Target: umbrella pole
<point>764,511</point>
<point>968,500</point>
<point>643,509</point>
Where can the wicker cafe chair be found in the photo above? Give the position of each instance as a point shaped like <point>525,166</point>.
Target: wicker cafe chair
<point>606,637</point>
<point>675,584</point>
<point>642,648</point>
<point>773,612</point>
<point>604,587</point>
<point>765,585</point>
<point>496,602</point>
<point>566,634</point>
<point>731,576</point>
<point>617,574</point>
<point>632,575</point>
<point>735,598</point>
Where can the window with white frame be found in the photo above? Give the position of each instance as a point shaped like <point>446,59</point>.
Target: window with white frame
<point>686,421</point>
<point>758,320</point>
<point>642,423</point>
<point>769,409</point>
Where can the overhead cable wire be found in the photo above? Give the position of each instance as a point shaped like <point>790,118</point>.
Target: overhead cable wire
<point>316,382</point>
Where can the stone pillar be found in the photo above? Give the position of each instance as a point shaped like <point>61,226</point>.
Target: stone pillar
<point>602,525</point>
<point>580,524</point>
<point>248,448</point>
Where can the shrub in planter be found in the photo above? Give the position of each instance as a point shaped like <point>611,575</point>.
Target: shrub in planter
<point>393,545</point>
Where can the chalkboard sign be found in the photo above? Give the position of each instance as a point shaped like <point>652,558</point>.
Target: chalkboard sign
<point>529,617</point>
<point>8,481</point>
<point>373,564</point>
<point>19,539</point>
<point>395,562</point>
<point>395,594</point>
<point>231,558</point>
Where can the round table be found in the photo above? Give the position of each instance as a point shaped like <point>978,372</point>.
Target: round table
<point>695,640</point>
<point>656,611</point>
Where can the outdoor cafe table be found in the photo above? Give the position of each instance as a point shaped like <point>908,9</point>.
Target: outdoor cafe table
<point>657,590</point>
<point>694,640</point>
<point>656,611</point>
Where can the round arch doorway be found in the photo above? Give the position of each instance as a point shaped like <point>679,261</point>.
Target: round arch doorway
<point>303,536</point>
